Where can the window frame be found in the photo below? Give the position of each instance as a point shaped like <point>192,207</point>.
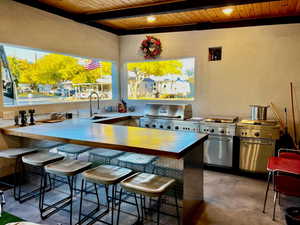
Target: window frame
<point>115,78</point>
<point>125,82</point>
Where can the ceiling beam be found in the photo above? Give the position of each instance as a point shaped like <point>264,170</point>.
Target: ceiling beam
<point>210,26</point>
<point>186,5</point>
<point>62,13</point>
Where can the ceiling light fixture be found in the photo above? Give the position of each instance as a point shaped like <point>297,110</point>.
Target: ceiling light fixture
<point>151,19</point>
<point>227,11</point>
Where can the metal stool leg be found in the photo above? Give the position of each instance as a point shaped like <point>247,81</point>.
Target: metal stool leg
<point>59,205</point>
<point>119,209</point>
<point>158,209</point>
<point>142,207</point>
<point>266,195</point>
<point>71,183</point>
<point>112,203</point>
<point>177,207</point>
<point>80,203</point>
<point>16,181</point>
<point>274,209</point>
<point>137,207</point>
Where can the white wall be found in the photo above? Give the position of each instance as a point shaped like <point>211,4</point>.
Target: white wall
<point>258,64</point>
<point>27,26</point>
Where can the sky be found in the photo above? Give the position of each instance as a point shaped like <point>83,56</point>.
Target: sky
<point>23,53</point>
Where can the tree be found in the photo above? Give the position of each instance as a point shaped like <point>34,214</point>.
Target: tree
<point>55,68</point>
<point>156,68</point>
<point>17,67</point>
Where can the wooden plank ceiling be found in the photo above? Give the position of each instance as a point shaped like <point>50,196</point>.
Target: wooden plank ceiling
<point>213,15</point>
<point>91,6</point>
<point>130,16</point>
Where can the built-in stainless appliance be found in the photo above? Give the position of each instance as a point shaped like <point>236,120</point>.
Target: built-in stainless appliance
<point>257,143</point>
<point>169,117</point>
<point>218,149</point>
<point>169,111</point>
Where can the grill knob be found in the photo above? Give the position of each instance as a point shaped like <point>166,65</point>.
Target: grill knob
<point>212,130</point>
<point>153,125</point>
<point>147,125</point>
<point>176,128</point>
<point>256,134</point>
<point>168,127</point>
<point>222,131</point>
<point>161,126</point>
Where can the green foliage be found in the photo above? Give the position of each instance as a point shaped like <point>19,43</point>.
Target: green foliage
<point>157,68</point>
<point>55,68</point>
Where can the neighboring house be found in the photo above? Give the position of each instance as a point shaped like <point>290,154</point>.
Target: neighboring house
<point>146,87</point>
<point>44,88</point>
<point>174,87</point>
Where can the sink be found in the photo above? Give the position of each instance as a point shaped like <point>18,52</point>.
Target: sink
<point>123,121</point>
<point>98,117</point>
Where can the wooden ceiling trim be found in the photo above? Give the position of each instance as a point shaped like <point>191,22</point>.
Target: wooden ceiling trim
<point>172,7</point>
<point>95,6</point>
<point>209,26</point>
<point>215,15</point>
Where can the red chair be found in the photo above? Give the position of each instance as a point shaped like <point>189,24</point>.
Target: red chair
<point>288,160</point>
<point>289,153</point>
<point>287,184</point>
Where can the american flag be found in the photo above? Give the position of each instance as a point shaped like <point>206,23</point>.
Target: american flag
<point>92,64</point>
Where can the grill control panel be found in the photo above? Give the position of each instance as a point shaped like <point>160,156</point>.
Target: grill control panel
<point>168,124</point>
<point>218,129</point>
<point>258,132</point>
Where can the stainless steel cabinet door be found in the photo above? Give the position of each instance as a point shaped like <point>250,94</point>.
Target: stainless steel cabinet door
<point>254,154</point>
<point>218,151</point>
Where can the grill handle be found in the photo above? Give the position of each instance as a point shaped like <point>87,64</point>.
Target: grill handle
<point>163,116</point>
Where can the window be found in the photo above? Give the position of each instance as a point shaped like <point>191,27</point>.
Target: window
<point>161,80</point>
<point>31,76</point>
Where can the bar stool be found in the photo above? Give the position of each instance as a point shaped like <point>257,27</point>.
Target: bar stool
<point>23,223</point>
<point>16,154</point>
<point>66,167</point>
<point>106,175</point>
<point>39,160</point>
<point>105,155</point>
<point>148,185</point>
<point>72,150</point>
<point>136,161</point>
<point>45,145</point>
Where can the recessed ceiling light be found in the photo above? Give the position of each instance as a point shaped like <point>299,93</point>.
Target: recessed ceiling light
<point>151,19</point>
<point>227,11</point>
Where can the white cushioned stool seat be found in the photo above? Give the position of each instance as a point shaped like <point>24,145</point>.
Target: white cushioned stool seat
<point>105,153</point>
<point>147,184</point>
<point>73,149</point>
<point>41,158</point>
<point>67,167</point>
<point>106,174</point>
<point>23,223</point>
<point>16,152</point>
<point>138,159</point>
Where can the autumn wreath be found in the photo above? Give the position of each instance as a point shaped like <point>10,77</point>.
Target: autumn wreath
<point>151,47</point>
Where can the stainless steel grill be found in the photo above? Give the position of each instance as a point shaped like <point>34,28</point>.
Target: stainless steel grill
<point>170,111</point>
<point>169,117</point>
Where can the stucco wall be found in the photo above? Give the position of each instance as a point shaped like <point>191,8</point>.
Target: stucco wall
<point>258,64</point>
<point>27,26</point>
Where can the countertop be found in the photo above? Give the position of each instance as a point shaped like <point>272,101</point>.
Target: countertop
<point>126,138</point>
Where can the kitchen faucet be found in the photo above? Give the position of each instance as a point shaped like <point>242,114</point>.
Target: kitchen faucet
<point>98,102</point>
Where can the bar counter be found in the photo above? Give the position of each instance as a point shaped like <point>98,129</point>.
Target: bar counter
<point>177,145</point>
